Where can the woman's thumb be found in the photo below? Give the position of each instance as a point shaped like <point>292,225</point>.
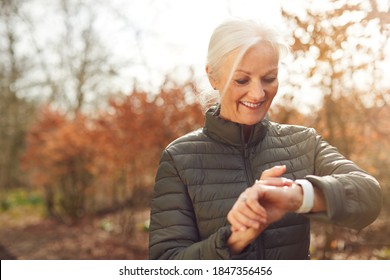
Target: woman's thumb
<point>276,171</point>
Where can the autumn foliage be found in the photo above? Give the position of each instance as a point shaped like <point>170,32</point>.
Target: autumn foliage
<point>86,164</point>
<point>89,164</point>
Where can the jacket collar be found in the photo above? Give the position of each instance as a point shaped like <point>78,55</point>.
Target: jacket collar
<point>232,133</point>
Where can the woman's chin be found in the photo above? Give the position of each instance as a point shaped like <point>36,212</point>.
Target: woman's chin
<point>249,123</point>
<point>251,120</point>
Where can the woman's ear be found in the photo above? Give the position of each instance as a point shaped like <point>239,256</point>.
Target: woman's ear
<point>210,76</point>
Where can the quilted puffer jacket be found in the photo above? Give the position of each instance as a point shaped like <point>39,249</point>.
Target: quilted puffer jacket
<point>201,175</point>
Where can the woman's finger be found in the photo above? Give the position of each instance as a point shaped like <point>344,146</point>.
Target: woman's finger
<point>254,205</point>
<point>243,222</point>
<point>276,171</point>
<point>242,217</point>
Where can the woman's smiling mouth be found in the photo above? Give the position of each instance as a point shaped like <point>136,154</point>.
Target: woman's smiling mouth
<point>251,105</point>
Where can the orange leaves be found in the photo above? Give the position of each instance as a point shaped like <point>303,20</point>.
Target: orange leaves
<point>54,140</point>
<point>111,154</point>
<point>140,126</point>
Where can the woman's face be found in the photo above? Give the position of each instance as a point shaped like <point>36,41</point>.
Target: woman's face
<point>253,86</point>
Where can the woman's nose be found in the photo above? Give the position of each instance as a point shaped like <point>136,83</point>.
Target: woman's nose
<point>257,90</point>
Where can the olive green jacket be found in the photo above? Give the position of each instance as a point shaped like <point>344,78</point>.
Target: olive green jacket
<point>202,173</point>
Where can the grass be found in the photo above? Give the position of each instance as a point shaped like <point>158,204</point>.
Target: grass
<point>21,204</point>
<point>24,197</point>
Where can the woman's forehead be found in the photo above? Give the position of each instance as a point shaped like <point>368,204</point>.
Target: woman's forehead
<point>260,53</point>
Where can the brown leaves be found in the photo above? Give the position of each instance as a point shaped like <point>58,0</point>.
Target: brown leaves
<point>110,155</point>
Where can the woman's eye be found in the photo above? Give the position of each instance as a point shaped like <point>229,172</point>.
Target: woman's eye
<point>242,81</point>
<point>269,80</point>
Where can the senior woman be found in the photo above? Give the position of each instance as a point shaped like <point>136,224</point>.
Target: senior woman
<point>208,202</point>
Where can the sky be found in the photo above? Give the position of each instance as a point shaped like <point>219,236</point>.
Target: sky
<point>176,33</point>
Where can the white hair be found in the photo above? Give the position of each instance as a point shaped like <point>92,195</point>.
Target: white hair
<point>237,35</point>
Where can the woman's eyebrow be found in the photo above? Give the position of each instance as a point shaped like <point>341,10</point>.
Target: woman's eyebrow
<point>244,71</point>
<point>249,73</point>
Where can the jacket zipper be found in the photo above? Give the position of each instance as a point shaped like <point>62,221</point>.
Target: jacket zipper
<point>245,154</point>
<point>248,167</point>
<point>259,242</point>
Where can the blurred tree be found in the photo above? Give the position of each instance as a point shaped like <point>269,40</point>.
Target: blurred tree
<point>66,63</point>
<point>88,165</point>
<point>15,110</point>
<point>339,48</point>
<point>131,136</point>
<point>342,49</point>
<point>75,65</point>
<point>58,159</point>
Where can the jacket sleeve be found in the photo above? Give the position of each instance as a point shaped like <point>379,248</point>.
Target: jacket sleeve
<point>173,228</point>
<point>353,197</point>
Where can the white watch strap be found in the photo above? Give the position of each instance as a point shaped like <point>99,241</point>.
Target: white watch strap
<point>308,196</point>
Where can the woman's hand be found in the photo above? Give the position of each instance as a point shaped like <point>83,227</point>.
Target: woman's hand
<point>249,211</point>
<point>267,201</point>
<point>279,200</point>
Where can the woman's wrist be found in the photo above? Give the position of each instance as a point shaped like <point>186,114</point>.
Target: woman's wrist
<point>319,201</point>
